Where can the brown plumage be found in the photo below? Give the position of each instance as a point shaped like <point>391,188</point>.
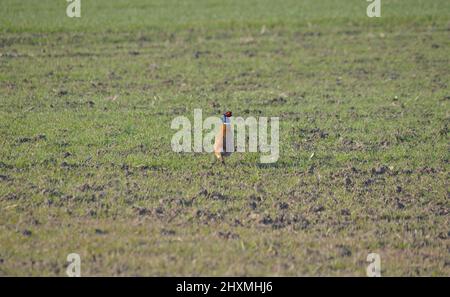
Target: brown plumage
<point>223,142</point>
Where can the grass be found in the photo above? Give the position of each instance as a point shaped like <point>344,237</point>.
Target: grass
<point>81,172</point>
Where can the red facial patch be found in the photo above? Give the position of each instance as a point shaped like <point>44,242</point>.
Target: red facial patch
<point>228,114</point>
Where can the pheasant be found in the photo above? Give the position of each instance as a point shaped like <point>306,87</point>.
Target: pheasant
<point>223,145</point>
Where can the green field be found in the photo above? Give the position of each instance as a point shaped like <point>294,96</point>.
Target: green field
<point>86,164</point>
